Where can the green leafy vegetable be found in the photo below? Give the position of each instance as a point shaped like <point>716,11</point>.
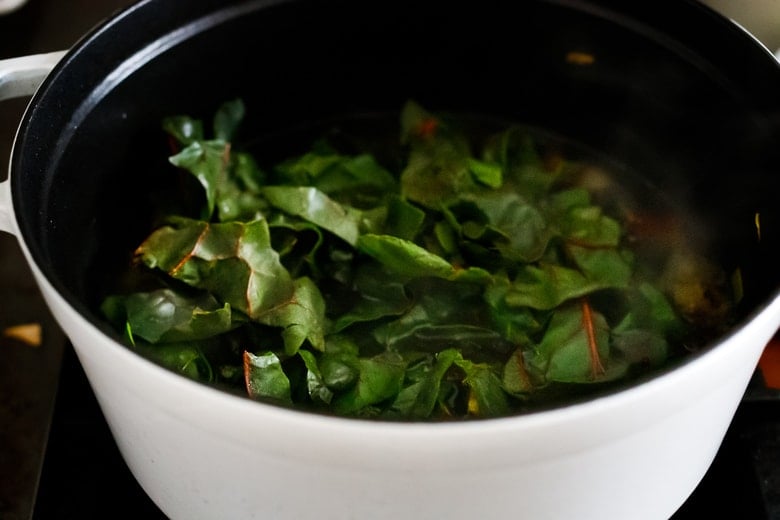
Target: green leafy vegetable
<point>465,276</point>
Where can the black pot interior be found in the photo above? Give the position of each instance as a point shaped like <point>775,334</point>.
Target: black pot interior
<point>675,91</point>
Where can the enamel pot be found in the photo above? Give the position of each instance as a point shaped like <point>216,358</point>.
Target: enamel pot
<point>669,87</point>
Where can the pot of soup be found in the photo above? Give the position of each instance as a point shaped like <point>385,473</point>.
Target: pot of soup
<point>407,259</point>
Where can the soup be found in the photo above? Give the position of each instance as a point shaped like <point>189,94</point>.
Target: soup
<point>414,267</point>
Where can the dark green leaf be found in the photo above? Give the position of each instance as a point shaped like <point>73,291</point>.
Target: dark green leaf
<point>379,296</point>
<point>516,380</point>
<point>588,226</point>
<point>603,267</point>
<point>564,353</point>
<point>515,324</point>
<point>379,379</point>
<point>548,285</point>
<point>315,383</point>
<point>488,173</point>
<point>316,207</point>
<point>227,119</point>
<point>410,260</point>
<point>301,317</point>
<point>184,129</point>
<point>437,168</point>
<point>265,378</point>
<point>234,261</point>
<point>208,162</point>
<point>519,231</point>
<point>418,400</point>
<point>404,220</point>
<point>404,257</point>
<point>167,316</point>
<point>186,358</point>
<point>487,397</point>
<point>339,363</point>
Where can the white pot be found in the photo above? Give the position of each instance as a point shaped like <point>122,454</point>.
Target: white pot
<point>201,453</point>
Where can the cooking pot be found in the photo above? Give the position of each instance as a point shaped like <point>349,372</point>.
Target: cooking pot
<point>670,87</point>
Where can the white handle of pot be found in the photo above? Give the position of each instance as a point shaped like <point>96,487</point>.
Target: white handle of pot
<point>20,77</point>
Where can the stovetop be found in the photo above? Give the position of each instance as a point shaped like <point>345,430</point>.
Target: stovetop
<point>57,456</point>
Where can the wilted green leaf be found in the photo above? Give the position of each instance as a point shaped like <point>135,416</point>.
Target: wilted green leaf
<point>265,378</point>
<point>301,317</point>
<point>313,205</point>
<point>208,162</point>
<point>487,397</point>
<point>164,316</point>
<point>227,119</point>
<point>234,261</point>
<point>186,358</point>
<point>565,353</point>
<point>315,383</point>
<point>379,378</point>
<point>418,400</point>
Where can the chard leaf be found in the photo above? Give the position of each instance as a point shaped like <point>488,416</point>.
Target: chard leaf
<point>437,168</point>
<point>230,179</point>
<point>298,241</point>
<point>404,220</point>
<point>314,206</point>
<point>515,324</point>
<point>641,337</point>
<point>301,317</point>
<point>334,173</point>
<point>379,296</point>
<point>315,383</point>
<point>339,363</point>
<point>547,286</point>
<point>588,226</point>
<point>443,316</point>
<point>520,231</point>
<point>379,379</point>
<point>238,195</point>
<point>184,129</point>
<point>560,203</point>
<point>208,162</point>
<point>654,308</point>
<point>165,316</point>
<point>358,172</point>
<point>603,267</point>
<point>404,257</point>
<point>564,354</point>
<point>186,358</point>
<point>516,380</point>
<point>234,261</point>
<point>265,378</point>
<point>413,261</point>
<point>525,170</point>
<point>304,169</point>
<point>486,393</point>
<point>227,120</point>
<point>446,237</point>
<point>488,173</point>
<point>418,399</point>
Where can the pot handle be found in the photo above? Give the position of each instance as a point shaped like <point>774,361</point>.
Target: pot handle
<point>20,77</point>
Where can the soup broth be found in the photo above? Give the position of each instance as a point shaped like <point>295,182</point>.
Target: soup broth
<point>417,266</point>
